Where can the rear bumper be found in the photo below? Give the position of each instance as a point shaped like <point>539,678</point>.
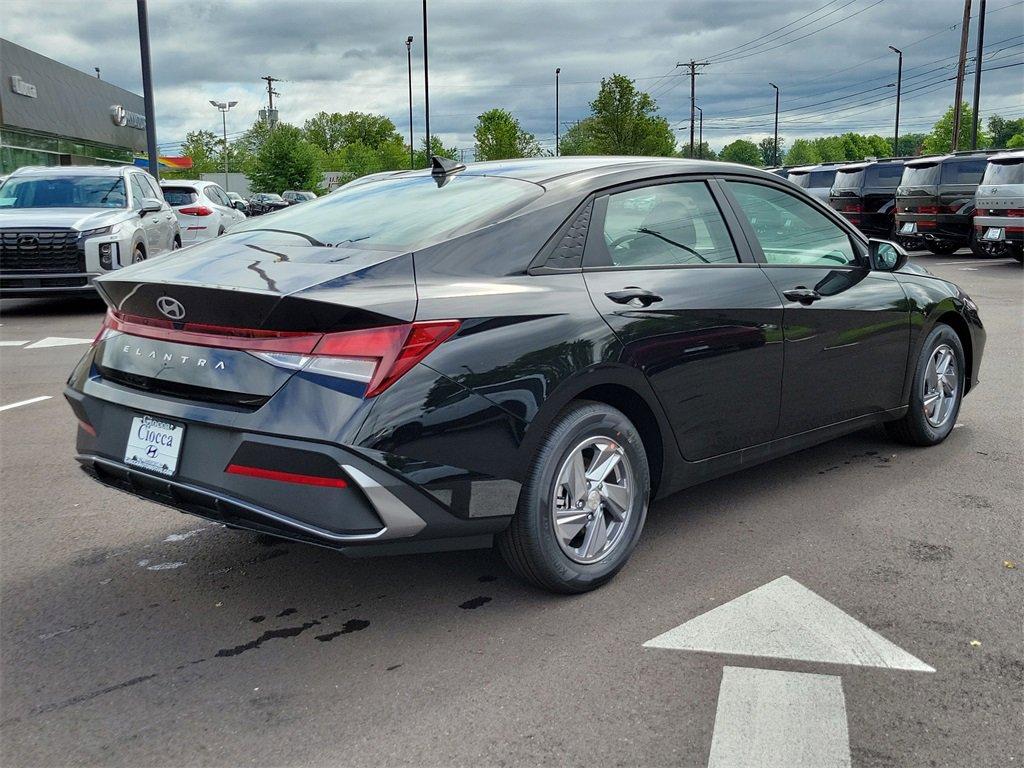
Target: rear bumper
<point>1013,227</point>
<point>15,285</point>
<point>942,227</point>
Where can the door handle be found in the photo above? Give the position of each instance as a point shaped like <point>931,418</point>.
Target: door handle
<point>802,294</point>
<point>632,293</point>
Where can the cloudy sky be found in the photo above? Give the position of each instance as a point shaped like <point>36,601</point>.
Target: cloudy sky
<point>830,59</point>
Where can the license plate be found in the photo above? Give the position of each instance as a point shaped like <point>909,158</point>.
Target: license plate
<point>993,233</point>
<point>908,228</point>
<point>154,445</point>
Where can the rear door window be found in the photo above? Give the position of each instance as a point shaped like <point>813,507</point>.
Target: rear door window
<point>964,171</point>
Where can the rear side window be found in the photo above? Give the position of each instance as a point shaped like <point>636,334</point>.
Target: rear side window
<point>398,213</point>
<point>964,171</point>
<point>1011,172</point>
<point>920,175</point>
<point>883,176</point>
<point>176,196</point>
<point>664,225</point>
<point>813,179</point>
<point>848,179</point>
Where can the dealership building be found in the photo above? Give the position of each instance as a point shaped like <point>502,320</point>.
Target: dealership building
<point>52,114</point>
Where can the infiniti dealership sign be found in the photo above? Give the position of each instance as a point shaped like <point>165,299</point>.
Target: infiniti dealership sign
<point>126,118</point>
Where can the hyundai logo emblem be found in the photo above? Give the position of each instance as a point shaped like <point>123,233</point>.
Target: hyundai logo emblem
<point>171,308</point>
<point>28,241</point>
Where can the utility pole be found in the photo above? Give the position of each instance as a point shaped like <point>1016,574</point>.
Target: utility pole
<point>964,30</point>
<point>224,107</point>
<point>692,66</point>
<point>271,93</point>
<point>899,89</point>
<point>426,81</point>
<point>558,71</point>
<point>412,147</point>
<point>147,90</point>
<point>775,151</point>
<point>700,136</point>
<point>977,74</point>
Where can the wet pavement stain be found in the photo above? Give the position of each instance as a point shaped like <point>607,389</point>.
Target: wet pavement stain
<point>258,619</point>
<point>287,612</point>
<point>270,634</point>
<point>91,695</point>
<point>352,625</point>
<point>393,667</point>
<point>476,602</point>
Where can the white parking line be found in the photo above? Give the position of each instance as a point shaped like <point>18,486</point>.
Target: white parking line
<point>777,719</point>
<point>985,263</point>
<point>57,341</point>
<point>12,343</point>
<point>24,402</point>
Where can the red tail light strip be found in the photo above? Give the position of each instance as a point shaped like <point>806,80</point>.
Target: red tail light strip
<point>286,477</point>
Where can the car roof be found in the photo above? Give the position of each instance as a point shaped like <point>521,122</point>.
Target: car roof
<point>75,170</point>
<point>1007,157</point>
<point>860,165</point>
<point>186,183</point>
<point>818,167</point>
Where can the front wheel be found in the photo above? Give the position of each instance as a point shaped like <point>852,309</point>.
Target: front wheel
<point>936,392</point>
<point>584,502</point>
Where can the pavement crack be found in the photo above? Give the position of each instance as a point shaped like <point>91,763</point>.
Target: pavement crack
<point>270,634</point>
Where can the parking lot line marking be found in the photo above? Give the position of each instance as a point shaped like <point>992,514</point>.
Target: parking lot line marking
<point>24,402</point>
<point>57,341</point>
<point>976,261</point>
<point>777,719</point>
<point>12,343</point>
<point>785,620</point>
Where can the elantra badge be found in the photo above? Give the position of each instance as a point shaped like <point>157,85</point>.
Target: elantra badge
<point>171,308</point>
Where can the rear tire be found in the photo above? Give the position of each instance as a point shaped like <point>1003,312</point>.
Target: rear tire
<point>978,248</point>
<point>574,527</point>
<point>929,421</point>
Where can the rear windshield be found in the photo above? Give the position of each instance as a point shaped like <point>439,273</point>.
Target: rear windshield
<point>848,179</point>
<point>813,179</point>
<point>883,176</point>
<point>964,171</point>
<point>920,175</point>
<point>1005,172</point>
<point>176,196</point>
<point>397,213</point>
<point>64,192</point>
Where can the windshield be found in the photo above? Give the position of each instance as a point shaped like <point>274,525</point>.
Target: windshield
<point>920,175</point>
<point>813,179</point>
<point>64,192</point>
<point>848,179</point>
<point>180,195</point>
<point>397,213</point>
<point>1006,172</point>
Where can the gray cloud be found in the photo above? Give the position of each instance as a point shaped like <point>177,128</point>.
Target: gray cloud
<point>342,56</point>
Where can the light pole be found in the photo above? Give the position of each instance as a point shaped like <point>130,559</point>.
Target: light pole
<point>426,81</point>
<point>224,107</point>
<point>899,88</point>
<point>558,71</point>
<point>775,152</point>
<point>147,89</point>
<point>700,140</point>
<point>412,147</point>
<point>977,74</point>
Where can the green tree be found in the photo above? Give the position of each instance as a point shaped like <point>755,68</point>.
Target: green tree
<point>286,161</point>
<point>803,152</point>
<point>205,149</point>
<point>623,121</point>
<point>436,148</point>
<point>578,139</point>
<point>1002,130</point>
<point>333,131</point>
<point>940,139</point>
<point>767,148</point>
<point>741,151</point>
<point>1016,141</point>
<point>909,144</point>
<point>499,136</point>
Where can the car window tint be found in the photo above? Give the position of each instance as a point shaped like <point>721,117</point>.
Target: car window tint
<point>964,171</point>
<point>138,191</point>
<point>848,179</point>
<point>151,187</point>
<point>789,230</point>
<point>920,175</point>
<point>665,225</point>
<point>216,194</point>
<point>180,195</point>
<point>884,175</point>
<point>1005,172</point>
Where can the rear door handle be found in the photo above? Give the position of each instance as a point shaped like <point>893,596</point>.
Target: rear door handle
<point>802,294</point>
<point>632,294</point>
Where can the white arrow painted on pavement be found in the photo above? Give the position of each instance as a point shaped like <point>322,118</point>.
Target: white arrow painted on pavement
<point>785,620</point>
<point>773,719</point>
<point>57,341</point>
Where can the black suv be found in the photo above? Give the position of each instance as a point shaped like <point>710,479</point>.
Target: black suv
<point>935,201</point>
<point>293,197</point>
<point>266,202</point>
<point>865,193</point>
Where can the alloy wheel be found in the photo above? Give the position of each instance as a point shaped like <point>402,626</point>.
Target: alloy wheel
<point>593,500</point>
<point>941,386</point>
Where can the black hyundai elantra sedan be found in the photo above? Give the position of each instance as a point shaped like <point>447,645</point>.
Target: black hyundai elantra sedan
<point>521,353</point>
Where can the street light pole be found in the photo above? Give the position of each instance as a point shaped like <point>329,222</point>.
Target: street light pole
<point>426,81</point>
<point>558,71</point>
<point>412,147</point>
<point>224,107</point>
<point>147,89</point>
<point>700,140</point>
<point>775,152</point>
<point>899,89</point>
<point>977,74</point>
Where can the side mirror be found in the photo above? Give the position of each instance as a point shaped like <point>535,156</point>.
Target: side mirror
<point>150,205</point>
<point>887,256</point>
<point>239,205</point>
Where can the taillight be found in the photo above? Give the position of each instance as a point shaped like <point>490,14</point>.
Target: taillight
<point>932,209</point>
<point>196,210</point>
<point>852,208</point>
<point>1015,213</point>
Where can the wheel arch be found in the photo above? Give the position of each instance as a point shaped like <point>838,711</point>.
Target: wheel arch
<point>953,319</point>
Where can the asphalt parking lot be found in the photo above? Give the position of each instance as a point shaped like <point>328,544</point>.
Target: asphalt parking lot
<point>133,635</point>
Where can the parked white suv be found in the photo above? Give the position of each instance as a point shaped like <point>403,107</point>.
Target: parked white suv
<point>204,210</point>
<point>63,226</point>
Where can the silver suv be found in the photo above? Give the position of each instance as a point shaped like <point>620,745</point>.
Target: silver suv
<point>999,206</point>
<point>61,227</point>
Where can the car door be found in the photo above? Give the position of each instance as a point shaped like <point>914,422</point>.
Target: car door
<point>168,218</point>
<point>153,224</point>
<point>218,201</point>
<point>692,310</point>
<point>846,327</point>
